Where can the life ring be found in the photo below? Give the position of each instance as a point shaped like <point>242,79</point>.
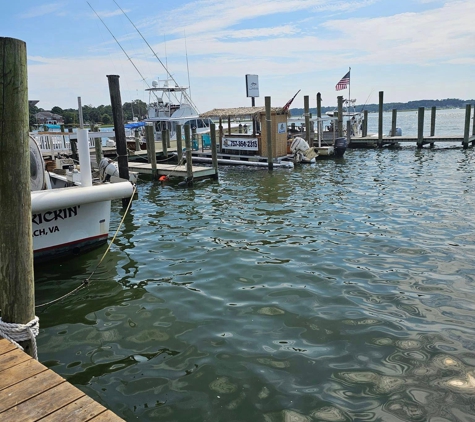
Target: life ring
<point>37,167</point>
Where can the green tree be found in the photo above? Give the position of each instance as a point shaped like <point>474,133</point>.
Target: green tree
<point>57,110</point>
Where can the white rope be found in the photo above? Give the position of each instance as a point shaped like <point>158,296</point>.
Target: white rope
<point>21,332</point>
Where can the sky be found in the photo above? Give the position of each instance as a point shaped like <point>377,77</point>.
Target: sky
<point>409,49</point>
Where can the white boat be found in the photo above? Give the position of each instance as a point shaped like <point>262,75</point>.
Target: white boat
<point>70,211</point>
<point>169,105</point>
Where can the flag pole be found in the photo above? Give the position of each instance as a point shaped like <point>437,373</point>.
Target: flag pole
<point>349,90</point>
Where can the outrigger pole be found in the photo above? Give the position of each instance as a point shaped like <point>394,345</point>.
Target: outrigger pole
<point>349,90</point>
<point>165,67</point>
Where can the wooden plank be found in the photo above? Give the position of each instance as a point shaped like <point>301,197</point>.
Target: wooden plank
<point>43,404</point>
<point>83,409</point>
<point>107,416</point>
<point>24,390</point>
<point>20,372</point>
<point>12,358</point>
<point>6,346</point>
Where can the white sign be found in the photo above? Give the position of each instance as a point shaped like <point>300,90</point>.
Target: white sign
<point>252,85</point>
<point>282,128</point>
<point>242,144</point>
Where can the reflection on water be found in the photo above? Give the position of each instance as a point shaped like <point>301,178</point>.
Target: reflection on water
<point>332,292</point>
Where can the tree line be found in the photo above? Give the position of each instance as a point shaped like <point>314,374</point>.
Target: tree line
<point>101,115</point>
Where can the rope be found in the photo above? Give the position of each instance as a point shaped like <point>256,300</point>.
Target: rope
<point>21,332</point>
<point>86,282</point>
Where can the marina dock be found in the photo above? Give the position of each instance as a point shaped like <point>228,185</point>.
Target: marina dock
<point>199,172</point>
<point>372,141</point>
<point>29,391</point>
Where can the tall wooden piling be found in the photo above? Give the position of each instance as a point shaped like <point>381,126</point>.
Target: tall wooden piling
<point>420,127</point>
<point>179,144</point>
<point>98,150</point>
<point>151,153</point>
<point>473,123</point>
<point>17,292</point>
<point>214,149</point>
<point>319,104</point>
<point>432,120</point>
<point>189,162</point>
<point>466,132</point>
<point>270,163</point>
<point>365,123</point>
<point>340,115</point>
<point>164,143</point>
<point>119,129</point>
<point>380,119</point>
<point>306,112</point>
<point>393,122</point>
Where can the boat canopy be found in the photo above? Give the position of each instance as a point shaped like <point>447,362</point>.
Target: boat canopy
<point>134,125</point>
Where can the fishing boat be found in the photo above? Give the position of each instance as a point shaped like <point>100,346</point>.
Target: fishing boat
<point>70,210</point>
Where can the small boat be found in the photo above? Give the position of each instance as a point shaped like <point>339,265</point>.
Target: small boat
<point>70,210</point>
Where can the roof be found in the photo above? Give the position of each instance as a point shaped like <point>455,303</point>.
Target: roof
<point>240,112</point>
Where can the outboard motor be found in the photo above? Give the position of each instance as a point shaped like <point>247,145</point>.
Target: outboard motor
<point>340,146</point>
<point>107,168</point>
<point>301,150</point>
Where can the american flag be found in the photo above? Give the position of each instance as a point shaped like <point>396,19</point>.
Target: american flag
<point>343,82</point>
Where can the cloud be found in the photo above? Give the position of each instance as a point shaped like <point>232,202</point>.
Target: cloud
<point>45,9</point>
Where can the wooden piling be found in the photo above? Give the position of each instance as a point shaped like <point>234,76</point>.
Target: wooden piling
<point>179,144</point>
<point>340,115</point>
<point>365,123</point>
<point>189,162</point>
<point>319,104</point>
<point>220,134</point>
<point>98,150</point>
<point>380,119</point>
<point>306,111</point>
<point>164,143</point>
<point>17,291</point>
<point>119,129</point>
<point>151,153</point>
<point>270,163</point>
<point>473,123</point>
<point>137,140</point>
<point>420,127</point>
<point>214,150</point>
<point>393,122</point>
<point>466,132</point>
<point>432,120</point>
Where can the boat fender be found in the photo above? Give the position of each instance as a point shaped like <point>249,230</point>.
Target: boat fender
<point>37,167</point>
<point>163,178</point>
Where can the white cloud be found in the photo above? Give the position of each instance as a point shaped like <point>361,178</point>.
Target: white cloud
<point>45,9</point>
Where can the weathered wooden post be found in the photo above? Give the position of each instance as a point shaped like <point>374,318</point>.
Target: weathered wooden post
<point>214,150</point>
<point>179,144</point>
<point>340,115</point>
<point>380,119</point>
<point>220,134</point>
<point>120,139</point>
<point>473,127</point>
<point>151,153</point>
<point>393,122</point>
<point>348,132</point>
<point>319,105</point>
<point>137,140</point>
<point>98,150</point>
<point>164,143</point>
<point>306,111</point>
<point>432,121</point>
<point>17,288</point>
<point>466,132</point>
<point>420,127</point>
<point>270,163</point>
<point>365,123</point>
<point>189,162</point>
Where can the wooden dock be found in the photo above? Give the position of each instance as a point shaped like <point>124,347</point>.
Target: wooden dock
<point>29,391</point>
<point>390,140</point>
<point>199,172</point>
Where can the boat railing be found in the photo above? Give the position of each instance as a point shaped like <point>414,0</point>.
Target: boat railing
<point>60,142</point>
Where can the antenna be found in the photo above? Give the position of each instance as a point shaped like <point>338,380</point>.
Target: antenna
<point>187,67</point>
<point>155,54</point>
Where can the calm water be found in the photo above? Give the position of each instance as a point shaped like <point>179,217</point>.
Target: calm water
<point>339,291</point>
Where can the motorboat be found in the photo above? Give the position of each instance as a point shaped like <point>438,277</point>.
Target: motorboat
<point>70,210</point>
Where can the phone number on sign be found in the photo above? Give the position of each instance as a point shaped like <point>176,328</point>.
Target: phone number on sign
<point>249,144</point>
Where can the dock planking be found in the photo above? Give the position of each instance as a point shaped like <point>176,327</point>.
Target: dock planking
<point>172,170</point>
<point>410,139</point>
<point>29,391</point>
